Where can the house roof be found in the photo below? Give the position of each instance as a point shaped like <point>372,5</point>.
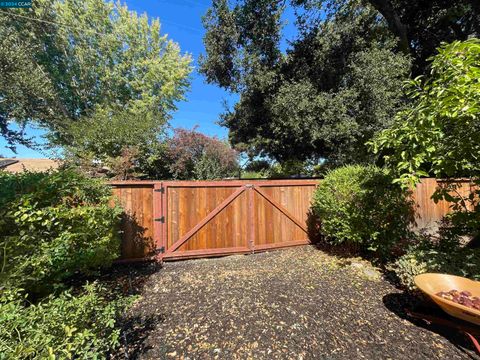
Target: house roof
<point>20,165</point>
<point>6,162</point>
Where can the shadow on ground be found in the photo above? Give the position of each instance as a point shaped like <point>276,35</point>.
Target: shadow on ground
<point>400,303</point>
<point>135,332</point>
<point>130,279</point>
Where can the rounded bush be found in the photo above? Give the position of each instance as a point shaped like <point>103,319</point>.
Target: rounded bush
<point>361,206</point>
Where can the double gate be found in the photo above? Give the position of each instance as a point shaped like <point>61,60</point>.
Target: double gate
<point>180,219</point>
<point>200,218</point>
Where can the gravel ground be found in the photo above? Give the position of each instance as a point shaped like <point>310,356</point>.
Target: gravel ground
<point>298,303</point>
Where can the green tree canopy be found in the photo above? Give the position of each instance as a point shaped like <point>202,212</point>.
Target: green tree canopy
<point>419,26</point>
<point>439,134</point>
<point>85,68</point>
<point>340,80</point>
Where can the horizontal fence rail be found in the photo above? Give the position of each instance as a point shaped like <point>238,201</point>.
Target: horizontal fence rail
<point>187,219</point>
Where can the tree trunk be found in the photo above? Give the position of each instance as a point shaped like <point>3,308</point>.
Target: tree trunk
<point>399,29</point>
<point>476,12</point>
<point>475,242</point>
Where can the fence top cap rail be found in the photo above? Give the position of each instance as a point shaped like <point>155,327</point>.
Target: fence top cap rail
<point>243,181</point>
<point>228,182</point>
<point>133,182</point>
<point>442,180</point>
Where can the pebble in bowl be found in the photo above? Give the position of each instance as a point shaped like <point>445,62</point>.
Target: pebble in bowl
<point>452,293</point>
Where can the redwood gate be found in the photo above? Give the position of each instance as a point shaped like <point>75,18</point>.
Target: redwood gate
<point>200,218</point>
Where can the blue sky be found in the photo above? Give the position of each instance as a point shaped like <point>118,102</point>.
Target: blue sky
<point>181,20</point>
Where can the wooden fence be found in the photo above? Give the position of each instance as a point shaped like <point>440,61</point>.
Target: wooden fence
<point>429,213</point>
<point>185,219</point>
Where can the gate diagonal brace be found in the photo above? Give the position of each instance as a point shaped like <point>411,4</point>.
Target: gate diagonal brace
<point>206,220</point>
<point>282,209</point>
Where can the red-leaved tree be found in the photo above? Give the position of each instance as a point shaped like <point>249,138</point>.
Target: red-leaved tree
<point>194,155</point>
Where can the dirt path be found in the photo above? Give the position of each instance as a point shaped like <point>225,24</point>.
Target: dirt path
<point>292,304</point>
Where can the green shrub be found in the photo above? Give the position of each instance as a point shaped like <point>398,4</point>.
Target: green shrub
<point>81,326</point>
<point>360,206</point>
<point>53,225</point>
<point>430,257</point>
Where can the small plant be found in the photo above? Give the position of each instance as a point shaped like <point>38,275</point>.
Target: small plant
<point>427,256</point>
<point>359,206</point>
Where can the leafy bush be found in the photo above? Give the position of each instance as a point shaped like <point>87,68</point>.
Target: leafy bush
<point>439,133</point>
<point>53,225</point>
<point>82,326</point>
<point>290,168</point>
<point>464,218</point>
<point>359,206</point>
<point>276,170</point>
<point>430,257</point>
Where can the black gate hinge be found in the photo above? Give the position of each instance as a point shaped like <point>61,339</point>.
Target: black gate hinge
<point>160,250</point>
<point>161,190</point>
<point>161,219</point>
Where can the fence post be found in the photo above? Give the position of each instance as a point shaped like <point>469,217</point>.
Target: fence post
<point>158,219</point>
<point>251,217</point>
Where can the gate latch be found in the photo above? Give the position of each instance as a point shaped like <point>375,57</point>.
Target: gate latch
<point>160,250</point>
<point>161,219</point>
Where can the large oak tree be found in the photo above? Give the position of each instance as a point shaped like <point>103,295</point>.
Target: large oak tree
<point>340,80</point>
